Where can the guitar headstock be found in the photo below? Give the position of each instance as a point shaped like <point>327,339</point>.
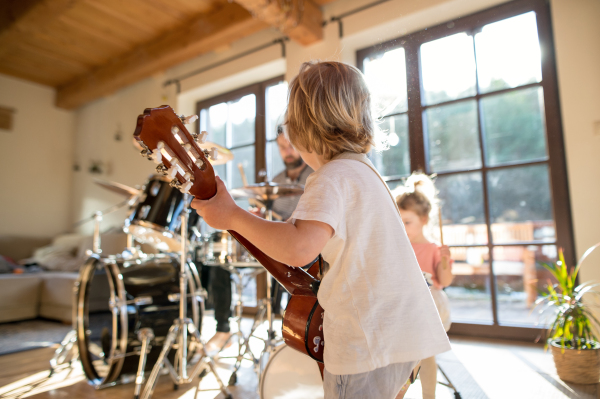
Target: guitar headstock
<point>167,142</point>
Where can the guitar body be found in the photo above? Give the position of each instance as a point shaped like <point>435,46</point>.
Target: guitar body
<point>303,326</point>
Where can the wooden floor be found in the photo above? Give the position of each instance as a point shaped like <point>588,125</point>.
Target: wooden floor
<point>478,368</point>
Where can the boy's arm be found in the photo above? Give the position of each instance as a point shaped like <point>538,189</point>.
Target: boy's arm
<point>293,244</point>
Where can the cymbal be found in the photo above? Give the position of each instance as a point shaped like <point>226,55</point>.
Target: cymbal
<point>118,188</point>
<point>225,155</point>
<point>267,191</point>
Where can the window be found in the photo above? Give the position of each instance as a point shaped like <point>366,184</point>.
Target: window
<point>245,122</point>
<point>474,101</point>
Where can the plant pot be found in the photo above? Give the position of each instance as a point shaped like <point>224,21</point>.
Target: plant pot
<point>579,366</point>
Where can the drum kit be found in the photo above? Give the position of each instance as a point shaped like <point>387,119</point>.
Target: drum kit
<point>130,310</point>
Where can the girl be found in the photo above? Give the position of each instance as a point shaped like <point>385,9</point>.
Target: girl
<point>415,206</point>
<point>379,318</point>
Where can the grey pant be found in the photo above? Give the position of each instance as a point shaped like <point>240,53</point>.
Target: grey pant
<point>381,383</point>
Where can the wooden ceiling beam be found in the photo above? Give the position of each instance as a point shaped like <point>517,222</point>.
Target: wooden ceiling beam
<point>300,20</point>
<point>20,17</point>
<point>207,33</point>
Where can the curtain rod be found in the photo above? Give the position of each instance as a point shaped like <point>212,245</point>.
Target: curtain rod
<point>177,81</point>
<point>339,18</point>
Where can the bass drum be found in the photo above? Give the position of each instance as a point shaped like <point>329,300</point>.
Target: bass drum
<point>140,293</point>
<point>290,374</point>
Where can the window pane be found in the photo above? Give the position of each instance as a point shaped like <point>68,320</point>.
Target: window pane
<point>520,206</point>
<point>386,77</point>
<point>276,98</point>
<point>274,162</point>
<point>244,156</point>
<point>520,277</point>
<point>513,126</point>
<point>241,114</point>
<point>396,160</point>
<point>217,123</point>
<point>469,294</point>
<point>453,138</point>
<point>448,69</point>
<point>393,185</point>
<point>508,53</point>
<point>461,198</point>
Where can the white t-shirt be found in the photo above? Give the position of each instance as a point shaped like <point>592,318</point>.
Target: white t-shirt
<point>378,309</point>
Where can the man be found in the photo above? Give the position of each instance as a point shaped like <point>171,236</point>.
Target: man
<point>296,171</point>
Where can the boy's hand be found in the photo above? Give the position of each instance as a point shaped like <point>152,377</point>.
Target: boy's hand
<point>218,211</point>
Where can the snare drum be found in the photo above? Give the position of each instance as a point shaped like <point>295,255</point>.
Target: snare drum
<point>156,220</point>
<point>141,293</point>
<point>290,374</point>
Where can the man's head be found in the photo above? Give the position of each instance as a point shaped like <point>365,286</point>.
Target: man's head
<point>329,110</point>
<point>291,158</point>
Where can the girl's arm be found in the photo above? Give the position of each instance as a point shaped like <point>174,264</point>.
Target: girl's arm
<point>293,244</point>
<point>444,269</point>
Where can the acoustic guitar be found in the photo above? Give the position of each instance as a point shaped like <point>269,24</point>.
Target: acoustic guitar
<point>166,141</point>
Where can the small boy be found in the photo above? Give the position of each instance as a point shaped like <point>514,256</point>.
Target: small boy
<point>380,319</point>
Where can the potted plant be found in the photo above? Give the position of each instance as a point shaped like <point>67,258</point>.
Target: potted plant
<point>571,338</point>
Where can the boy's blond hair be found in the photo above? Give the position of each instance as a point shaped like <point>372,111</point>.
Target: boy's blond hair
<point>329,110</point>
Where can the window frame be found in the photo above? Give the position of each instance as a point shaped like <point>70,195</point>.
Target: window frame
<point>556,161</point>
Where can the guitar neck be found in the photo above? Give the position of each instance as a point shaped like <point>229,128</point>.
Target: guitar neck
<point>294,279</point>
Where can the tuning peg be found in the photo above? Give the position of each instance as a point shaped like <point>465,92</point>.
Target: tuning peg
<point>185,188</point>
<point>188,119</point>
<point>172,171</point>
<point>174,129</point>
<point>162,169</point>
<point>213,154</point>
<point>200,164</point>
<point>200,137</point>
<point>146,153</point>
<point>175,183</point>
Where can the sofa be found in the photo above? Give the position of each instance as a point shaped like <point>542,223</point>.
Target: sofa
<point>48,293</point>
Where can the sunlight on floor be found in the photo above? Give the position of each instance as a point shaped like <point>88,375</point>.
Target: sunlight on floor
<point>39,382</point>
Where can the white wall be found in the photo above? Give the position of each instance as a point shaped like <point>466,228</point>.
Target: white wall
<point>36,162</point>
<point>577,41</point>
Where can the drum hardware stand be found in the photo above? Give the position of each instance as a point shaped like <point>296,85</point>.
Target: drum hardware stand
<point>271,342</point>
<point>145,335</point>
<point>67,345</point>
<point>243,342</point>
<point>178,333</point>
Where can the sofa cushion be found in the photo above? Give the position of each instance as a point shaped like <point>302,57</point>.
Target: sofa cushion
<point>19,296</point>
<point>56,299</point>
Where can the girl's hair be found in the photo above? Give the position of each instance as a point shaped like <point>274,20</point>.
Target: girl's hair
<point>329,110</point>
<point>418,195</point>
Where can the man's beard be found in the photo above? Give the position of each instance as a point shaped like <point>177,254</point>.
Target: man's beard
<point>296,163</point>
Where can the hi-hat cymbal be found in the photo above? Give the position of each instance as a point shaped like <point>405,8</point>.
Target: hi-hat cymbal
<point>118,188</point>
<point>225,155</point>
<point>268,191</point>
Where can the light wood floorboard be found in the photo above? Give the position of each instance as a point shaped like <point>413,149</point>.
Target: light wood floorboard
<point>479,368</point>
